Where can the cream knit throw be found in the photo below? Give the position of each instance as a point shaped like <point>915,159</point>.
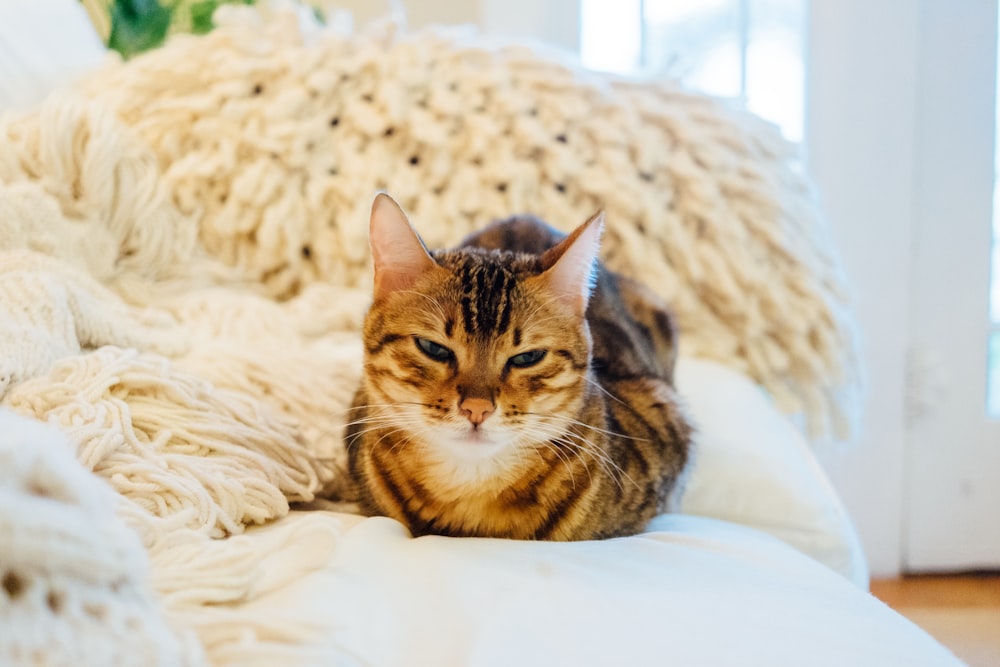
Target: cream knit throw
<point>184,269</point>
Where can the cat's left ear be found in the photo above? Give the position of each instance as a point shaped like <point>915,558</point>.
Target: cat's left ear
<point>571,265</point>
<point>400,257</point>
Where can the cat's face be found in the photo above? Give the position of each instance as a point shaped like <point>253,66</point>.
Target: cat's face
<point>476,356</point>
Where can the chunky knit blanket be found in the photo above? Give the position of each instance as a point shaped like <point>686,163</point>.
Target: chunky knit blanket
<point>184,269</point>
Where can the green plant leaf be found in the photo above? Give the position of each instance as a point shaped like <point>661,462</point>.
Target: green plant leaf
<point>138,25</point>
<point>201,16</point>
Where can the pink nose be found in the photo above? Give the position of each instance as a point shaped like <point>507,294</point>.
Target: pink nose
<point>476,410</point>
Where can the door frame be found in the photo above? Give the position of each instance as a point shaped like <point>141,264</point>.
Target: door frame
<point>952,490</point>
<point>899,129</point>
<point>860,131</point>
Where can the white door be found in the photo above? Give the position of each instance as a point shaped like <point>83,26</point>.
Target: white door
<point>952,476</point>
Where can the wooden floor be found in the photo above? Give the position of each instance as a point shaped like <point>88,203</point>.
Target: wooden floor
<point>962,612</point>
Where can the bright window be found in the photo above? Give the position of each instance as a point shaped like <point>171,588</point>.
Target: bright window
<point>749,50</point>
<point>993,375</point>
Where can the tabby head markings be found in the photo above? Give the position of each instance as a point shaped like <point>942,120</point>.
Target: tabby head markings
<point>476,355</point>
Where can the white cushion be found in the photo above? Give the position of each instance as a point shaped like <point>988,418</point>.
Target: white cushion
<point>752,467</point>
<point>43,44</point>
<point>694,591</point>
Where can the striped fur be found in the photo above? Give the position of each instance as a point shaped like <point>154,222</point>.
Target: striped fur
<point>588,442</point>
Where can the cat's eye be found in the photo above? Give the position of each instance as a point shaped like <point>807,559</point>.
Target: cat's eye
<point>434,351</point>
<point>525,359</point>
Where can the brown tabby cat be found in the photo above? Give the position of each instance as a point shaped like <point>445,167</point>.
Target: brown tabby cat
<point>513,387</point>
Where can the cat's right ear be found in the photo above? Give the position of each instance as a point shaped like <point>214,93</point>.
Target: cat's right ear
<point>400,257</point>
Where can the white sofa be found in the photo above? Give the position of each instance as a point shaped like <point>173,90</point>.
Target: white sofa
<point>761,567</point>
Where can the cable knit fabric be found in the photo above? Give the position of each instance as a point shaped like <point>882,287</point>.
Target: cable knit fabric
<point>184,272</point>
<point>274,142</point>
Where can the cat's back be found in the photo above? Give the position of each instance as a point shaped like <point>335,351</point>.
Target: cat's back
<point>523,233</point>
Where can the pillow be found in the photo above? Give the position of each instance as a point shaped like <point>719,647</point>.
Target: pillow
<point>43,44</point>
<point>752,467</point>
<point>692,591</point>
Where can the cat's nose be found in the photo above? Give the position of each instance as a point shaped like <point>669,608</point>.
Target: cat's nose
<point>476,410</point>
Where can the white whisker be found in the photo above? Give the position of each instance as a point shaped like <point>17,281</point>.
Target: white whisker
<point>585,425</point>
<point>577,442</point>
<point>433,301</point>
<point>603,390</point>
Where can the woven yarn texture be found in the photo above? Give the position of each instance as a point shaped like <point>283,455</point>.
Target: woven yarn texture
<point>274,142</point>
<point>184,269</point>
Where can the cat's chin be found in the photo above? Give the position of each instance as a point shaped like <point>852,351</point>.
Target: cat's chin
<point>475,444</point>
